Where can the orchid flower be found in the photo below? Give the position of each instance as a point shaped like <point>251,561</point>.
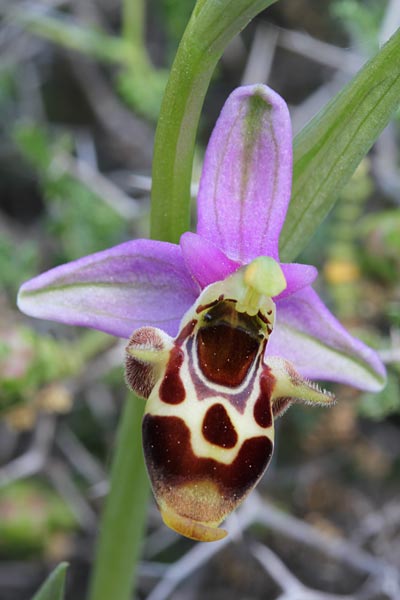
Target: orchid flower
<point>223,337</point>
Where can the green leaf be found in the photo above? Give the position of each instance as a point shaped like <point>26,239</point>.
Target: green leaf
<point>54,586</point>
<point>215,23</point>
<point>329,148</point>
<point>124,519</point>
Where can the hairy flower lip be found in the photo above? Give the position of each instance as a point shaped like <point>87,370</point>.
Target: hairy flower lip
<point>208,429</point>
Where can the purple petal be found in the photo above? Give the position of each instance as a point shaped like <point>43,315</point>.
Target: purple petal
<point>309,336</point>
<point>246,180</point>
<point>205,261</point>
<point>138,283</point>
<point>297,277</point>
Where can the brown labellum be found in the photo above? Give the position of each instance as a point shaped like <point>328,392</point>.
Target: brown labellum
<point>194,493</point>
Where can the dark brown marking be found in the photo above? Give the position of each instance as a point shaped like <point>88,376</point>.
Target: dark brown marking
<point>262,408</point>
<point>264,318</point>
<point>225,311</point>
<point>203,307</point>
<point>218,428</point>
<point>226,353</point>
<point>186,332</point>
<point>227,344</point>
<point>204,390</point>
<point>171,461</point>
<point>172,390</point>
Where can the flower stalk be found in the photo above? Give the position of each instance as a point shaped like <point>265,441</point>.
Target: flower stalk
<point>133,22</point>
<point>124,517</point>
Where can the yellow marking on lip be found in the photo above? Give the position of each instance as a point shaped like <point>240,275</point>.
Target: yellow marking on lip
<point>192,529</point>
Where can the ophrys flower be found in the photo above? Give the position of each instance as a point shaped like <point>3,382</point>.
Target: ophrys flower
<point>222,335</point>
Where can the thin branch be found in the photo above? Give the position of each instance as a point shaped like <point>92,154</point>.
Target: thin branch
<point>131,132</point>
<point>104,188</point>
<point>32,461</point>
<point>68,490</point>
<point>78,456</point>
<point>276,569</point>
<point>296,529</point>
<point>200,555</point>
<point>292,587</point>
<point>321,52</point>
<point>261,56</point>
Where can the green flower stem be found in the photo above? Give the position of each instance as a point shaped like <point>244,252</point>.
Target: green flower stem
<point>212,26</point>
<point>124,517</point>
<point>133,22</point>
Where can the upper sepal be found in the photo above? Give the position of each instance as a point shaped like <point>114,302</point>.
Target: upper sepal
<point>205,261</point>
<point>246,180</point>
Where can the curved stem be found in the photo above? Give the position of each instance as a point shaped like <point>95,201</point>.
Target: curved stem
<point>133,22</point>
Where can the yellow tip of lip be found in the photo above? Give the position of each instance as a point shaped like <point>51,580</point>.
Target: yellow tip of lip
<point>192,529</point>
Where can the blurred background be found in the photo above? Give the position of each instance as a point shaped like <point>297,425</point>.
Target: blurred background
<point>81,83</point>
